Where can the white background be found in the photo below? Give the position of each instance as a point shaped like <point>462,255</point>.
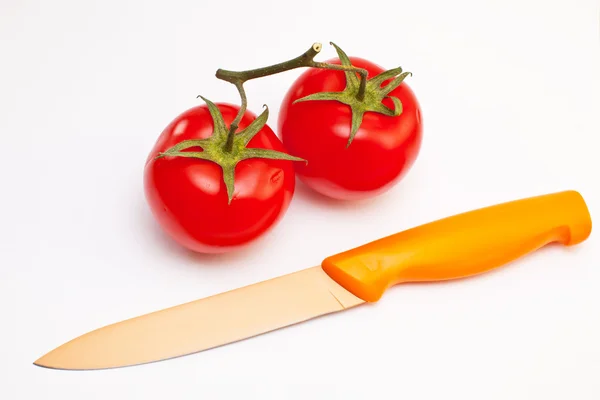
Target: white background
<point>510,92</point>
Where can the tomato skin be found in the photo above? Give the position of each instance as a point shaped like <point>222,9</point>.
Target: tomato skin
<point>188,197</point>
<point>382,152</point>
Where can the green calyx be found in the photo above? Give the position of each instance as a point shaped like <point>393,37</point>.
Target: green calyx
<point>369,98</point>
<point>215,147</point>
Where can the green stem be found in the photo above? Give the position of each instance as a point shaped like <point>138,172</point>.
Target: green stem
<point>236,122</point>
<point>304,60</point>
<point>238,78</point>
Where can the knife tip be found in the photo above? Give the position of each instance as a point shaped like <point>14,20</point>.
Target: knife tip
<point>40,362</point>
<point>46,361</point>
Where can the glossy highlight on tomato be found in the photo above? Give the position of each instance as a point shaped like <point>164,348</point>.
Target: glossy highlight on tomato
<point>189,198</point>
<point>382,152</point>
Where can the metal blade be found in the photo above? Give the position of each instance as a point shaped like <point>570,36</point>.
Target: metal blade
<point>206,323</point>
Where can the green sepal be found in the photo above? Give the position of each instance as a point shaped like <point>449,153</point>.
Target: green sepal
<point>246,135</point>
<point>220,128</point>
<point>357,117</point>
<point>373,98</point>
<point>268,153</point>
<point>229,179</point>
<point>213,147</point>
<point>351,79</point>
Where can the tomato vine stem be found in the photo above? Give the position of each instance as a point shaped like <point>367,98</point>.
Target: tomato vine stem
<point>306,59</point>
<point>234,125</point>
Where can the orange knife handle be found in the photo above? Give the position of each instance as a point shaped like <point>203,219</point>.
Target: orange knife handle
<point>462,245</point>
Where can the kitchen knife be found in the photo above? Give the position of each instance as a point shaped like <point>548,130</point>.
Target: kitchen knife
<point>455,247</point>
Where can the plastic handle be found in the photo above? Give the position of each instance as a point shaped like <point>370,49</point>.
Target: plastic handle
<point>462,245</point>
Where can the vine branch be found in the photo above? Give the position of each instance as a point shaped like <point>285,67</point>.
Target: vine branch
<point>306,59</point>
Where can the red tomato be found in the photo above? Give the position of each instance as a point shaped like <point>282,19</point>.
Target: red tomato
<point>381,153</point>
<point>189,198</point>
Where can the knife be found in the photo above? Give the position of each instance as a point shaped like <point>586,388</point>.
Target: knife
<point>455,247</point>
